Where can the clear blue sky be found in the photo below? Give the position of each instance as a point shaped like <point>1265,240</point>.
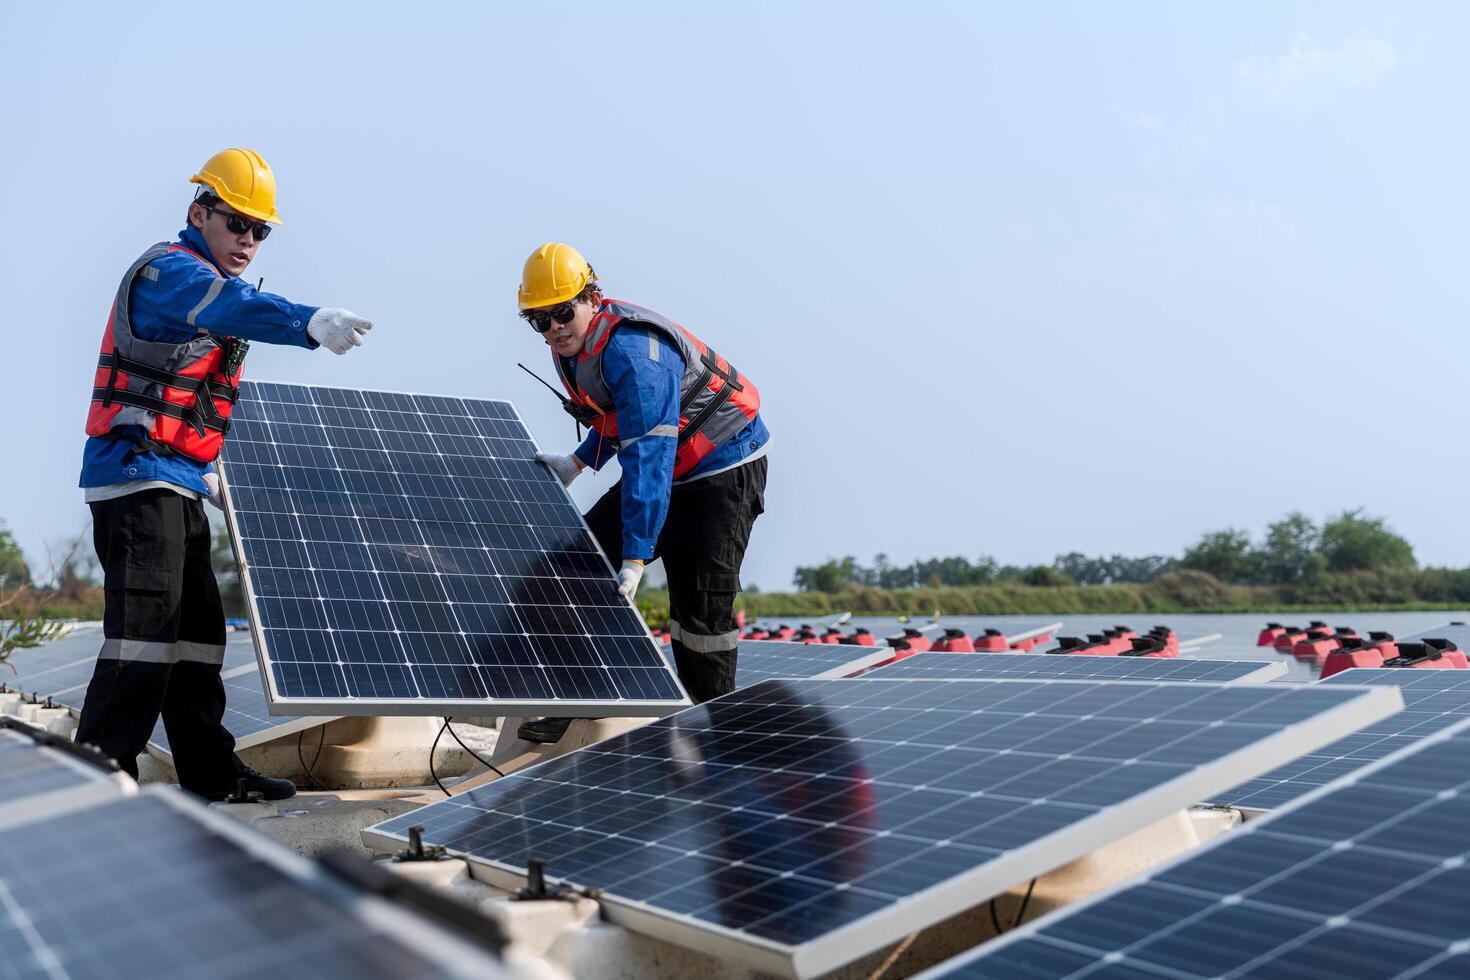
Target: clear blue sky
<point>1101,277</point>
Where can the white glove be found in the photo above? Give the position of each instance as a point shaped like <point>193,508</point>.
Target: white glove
<point>337,330</point>
<point>211,487</point>
<point>566,468</point>
<point>629,577</point>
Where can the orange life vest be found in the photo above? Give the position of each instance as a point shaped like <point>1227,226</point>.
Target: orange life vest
<point>715,400</point>
<point>180,394</point>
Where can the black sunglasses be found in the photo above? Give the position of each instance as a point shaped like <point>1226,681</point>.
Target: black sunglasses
<point>540,320</point>
<point>240,225</point>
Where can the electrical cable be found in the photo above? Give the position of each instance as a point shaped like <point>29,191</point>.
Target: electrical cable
<point>301,758</point>
<point>431,758</point>
<point>471,751</point>
<point>1020,912</point>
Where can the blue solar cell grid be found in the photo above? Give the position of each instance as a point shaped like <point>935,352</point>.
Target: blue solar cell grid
<point>1367,877</point>
<point>406,554</point>
<point>28,770</point>
<point>761,660</point>
<point>794,821</point>
<point>101,903</point>
<point>963,666</point>
<point>1433,701</point>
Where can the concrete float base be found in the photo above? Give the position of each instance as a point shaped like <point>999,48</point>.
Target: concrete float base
<point>312,824</point>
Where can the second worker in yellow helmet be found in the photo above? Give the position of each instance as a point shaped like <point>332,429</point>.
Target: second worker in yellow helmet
<point>686,429</point>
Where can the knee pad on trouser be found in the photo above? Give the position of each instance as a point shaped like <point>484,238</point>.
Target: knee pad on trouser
<point>705,675</point>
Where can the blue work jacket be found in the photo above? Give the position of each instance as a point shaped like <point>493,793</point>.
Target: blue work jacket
<point>646,395</point>
<point>160,309</point>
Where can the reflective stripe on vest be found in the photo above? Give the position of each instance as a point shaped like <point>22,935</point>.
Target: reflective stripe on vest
<point>715,400</point>
<point>181,394</point>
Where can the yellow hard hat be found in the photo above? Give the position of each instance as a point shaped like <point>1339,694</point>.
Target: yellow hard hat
<point>553,274</point>
<point>243,180</point>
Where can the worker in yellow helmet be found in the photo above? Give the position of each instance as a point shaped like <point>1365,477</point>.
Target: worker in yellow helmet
<point>686,429</point>
<point>165,384</point>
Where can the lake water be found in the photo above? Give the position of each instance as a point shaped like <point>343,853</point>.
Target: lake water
<point>1239,630</point>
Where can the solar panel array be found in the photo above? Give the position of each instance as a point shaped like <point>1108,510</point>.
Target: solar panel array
<point>1433,700</point>
<point>86,894</point>
<point>406,554</point>
<point>972,666</point>
<point>760,660</point>
<point>61,670</point>
<point>800,824</point>
<point>1366,878</point>
<point>30,772</point>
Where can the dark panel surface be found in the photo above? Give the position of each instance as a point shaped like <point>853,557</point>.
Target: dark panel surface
<point>407,551</point>
<point>784,812</point>
<point>1367,879</point>
<point>28,770</point>
<point>103,904</point>
<point>961,666</point>
<point>1433,700</point>
<point>761,660</point>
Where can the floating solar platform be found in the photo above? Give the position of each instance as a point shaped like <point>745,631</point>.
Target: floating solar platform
<point>799,825</point>
<point>1433,701</point>
<point>36,778</point>
<point>63,666</point>
<point>1074,666</point>
<point>760,660</point>
<point>1366,877</point>
<point>406,554</point>
<point>157,886</point>
<point>62,669</point>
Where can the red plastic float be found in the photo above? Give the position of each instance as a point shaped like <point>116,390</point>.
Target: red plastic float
<point>1268,635</point>
<point>1317,645</point>
<point>991,641</point>
<point>1289,638</point>
<point>1352,653</point>
<point>1429,654</point>
<point>860,637</point>
<point>917,641</point>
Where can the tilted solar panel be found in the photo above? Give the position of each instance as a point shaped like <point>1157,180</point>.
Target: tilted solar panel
<point>1075,666</point>
<point>799,825</point>
<point>405,554</point>
<point>156,886</point>
<point>1366,877</point>
<point>760,660</point>
<point>35,778</point>
<point>1433,700</point>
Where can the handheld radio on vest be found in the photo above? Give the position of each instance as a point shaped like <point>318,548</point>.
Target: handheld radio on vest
<point>580,413</point>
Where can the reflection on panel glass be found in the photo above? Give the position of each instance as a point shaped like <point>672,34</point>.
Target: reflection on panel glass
<point>789,809</point>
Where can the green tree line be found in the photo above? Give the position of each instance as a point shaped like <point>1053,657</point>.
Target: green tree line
<point>1293,550</point>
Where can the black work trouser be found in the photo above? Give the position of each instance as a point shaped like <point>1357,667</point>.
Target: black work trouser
<point>164,639</point>
<point>702,545</point>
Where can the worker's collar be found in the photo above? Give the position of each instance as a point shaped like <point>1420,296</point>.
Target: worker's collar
<point>194,242</point>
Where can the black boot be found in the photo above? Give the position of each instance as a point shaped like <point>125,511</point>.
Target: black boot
<point>254,782</point>
<point>547,731</point>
